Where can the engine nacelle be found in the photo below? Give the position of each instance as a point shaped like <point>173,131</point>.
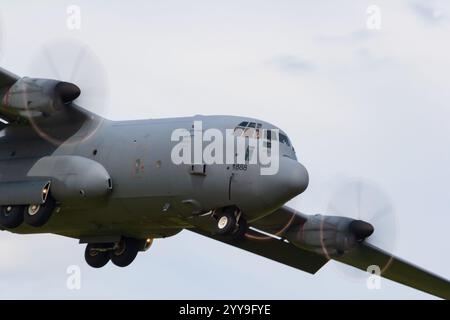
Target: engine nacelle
<point>30,97</point>
<point>329,235</point>
<point>73,177</point>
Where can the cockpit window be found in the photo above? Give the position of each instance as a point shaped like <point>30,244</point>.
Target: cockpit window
<point>238,131</point>
<point>249,132</point>
<point>284,139</point>
<point>248,129</point>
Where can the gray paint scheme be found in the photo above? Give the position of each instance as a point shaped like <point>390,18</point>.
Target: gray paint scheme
<point>115,179</point>
<point>23,192</point>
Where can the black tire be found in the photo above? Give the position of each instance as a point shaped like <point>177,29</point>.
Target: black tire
<point>126,252</point>
<point>95,258</point>
<point>226,223</point>
<point>11,216</point>
<point>38,215</point>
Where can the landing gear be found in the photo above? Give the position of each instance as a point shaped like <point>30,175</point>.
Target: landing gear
<point>11,216</point>
<point>37,215</point>
<point>96,256</point>
<point>231,224</point>
<point>122,253</point>
<point>226,223</point>
<point>125,252</point>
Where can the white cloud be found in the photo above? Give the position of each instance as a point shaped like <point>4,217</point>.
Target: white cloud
<point>431,11</point>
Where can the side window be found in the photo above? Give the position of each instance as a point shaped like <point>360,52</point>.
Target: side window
<point>269,135</point>
<point>284,139</point>
<point>249,154</point>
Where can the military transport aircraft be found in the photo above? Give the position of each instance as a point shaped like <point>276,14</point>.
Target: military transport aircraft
<point>114,186</point>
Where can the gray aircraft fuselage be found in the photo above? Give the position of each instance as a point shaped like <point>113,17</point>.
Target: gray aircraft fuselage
<point>151,196</point>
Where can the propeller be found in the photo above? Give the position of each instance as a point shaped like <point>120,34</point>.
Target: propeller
<point>366,202</point>
<point>81,72</point>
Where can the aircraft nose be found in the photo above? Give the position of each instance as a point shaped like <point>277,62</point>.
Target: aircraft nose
<point>290,180</point>
<point>298,177</point>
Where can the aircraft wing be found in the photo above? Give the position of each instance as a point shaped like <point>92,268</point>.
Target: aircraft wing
<point>363,255</point>
<point>278,222</point>
<point>274,249</point>
<point>396,269</point>
<point>271,237</point>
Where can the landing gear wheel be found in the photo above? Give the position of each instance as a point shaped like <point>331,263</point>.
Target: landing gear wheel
<point>226,223</point>
<point>125,253</point>
<point>37,215</point>
<point>96,258</point>
<point>11,216</point>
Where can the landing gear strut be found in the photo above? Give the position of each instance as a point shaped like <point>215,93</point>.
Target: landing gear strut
<point>231,223</point>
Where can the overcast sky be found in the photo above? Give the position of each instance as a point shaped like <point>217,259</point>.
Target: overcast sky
<point>358,104</point>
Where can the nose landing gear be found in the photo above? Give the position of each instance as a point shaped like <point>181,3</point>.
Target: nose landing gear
<point>231,224</point>
<point>226,223</point>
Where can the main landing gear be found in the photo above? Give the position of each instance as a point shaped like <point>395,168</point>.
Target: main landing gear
<point>122,253</point>
<point>11,216</point>
<point>35,215</point>
<point>230,223</point>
